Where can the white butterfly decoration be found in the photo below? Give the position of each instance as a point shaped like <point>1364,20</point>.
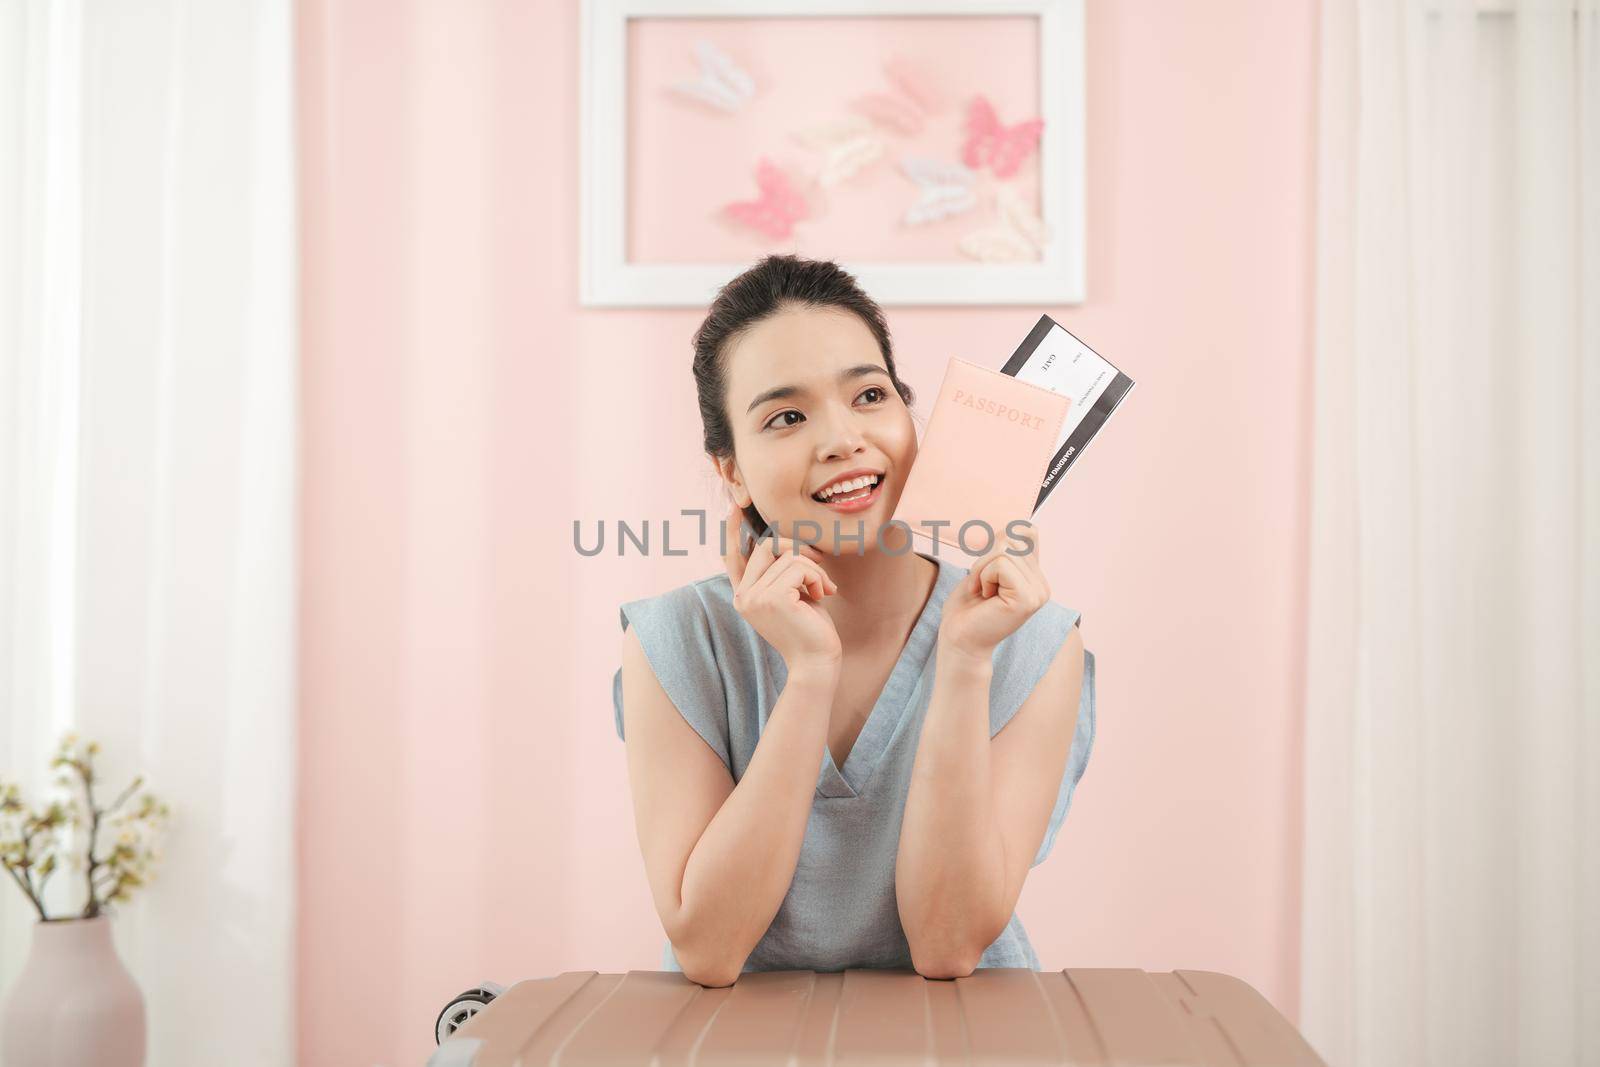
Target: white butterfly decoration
<point>722,83</point>
<point>846,146</point>
<point>1020,233</point>
<point>946,189</point>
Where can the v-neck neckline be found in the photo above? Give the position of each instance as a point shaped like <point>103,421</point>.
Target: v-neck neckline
<point>850,780</point>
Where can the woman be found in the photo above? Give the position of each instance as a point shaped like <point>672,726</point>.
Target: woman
<point>885,818</point>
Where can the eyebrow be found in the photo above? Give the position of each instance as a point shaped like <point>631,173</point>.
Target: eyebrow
<point>782,391</point>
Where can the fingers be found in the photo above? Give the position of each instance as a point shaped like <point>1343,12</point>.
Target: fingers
<point>794,572</point>
<point>770,558</point>
<point>738,549</point>
<point>999,571</point>
<point>787,552</point>
<point>1014,565</point>
<point>778,545</point>
<point>787,571</point>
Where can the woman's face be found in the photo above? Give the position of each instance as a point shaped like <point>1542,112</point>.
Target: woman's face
<point>811,402</point>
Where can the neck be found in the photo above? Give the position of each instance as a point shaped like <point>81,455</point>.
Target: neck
<point>881,594</point>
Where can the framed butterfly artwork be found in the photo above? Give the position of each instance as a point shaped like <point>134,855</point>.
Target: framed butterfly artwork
<point>933,148</point>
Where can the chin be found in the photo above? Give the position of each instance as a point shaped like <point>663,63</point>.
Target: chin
<point>848,545</point>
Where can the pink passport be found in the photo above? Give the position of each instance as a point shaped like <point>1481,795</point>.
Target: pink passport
<point>983,457</point>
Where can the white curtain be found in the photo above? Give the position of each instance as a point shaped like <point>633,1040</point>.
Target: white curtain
<point>148,476</point>
<point>1452,851</point>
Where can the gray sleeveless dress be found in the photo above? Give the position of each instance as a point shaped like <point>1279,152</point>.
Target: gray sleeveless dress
<point>724,678</point>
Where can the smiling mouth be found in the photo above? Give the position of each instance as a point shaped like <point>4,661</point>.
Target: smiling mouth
<point>853,495</point>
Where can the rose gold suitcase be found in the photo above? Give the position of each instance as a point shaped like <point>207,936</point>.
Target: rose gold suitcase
<point>996,1016</point>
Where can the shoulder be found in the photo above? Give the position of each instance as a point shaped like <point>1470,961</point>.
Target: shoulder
<point>1029,651</point>
<point>697,603</point>
<point>1024,657</point>
<point>694,629</point>
<point>1040,635</point>
<point>696,655</point>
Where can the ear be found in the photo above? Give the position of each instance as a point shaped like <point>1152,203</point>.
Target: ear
<point>727,469</point>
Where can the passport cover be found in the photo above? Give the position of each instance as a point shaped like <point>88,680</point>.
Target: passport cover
<point>988,444</point>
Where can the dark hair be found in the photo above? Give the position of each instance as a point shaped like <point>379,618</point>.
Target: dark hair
<point>772,285</point>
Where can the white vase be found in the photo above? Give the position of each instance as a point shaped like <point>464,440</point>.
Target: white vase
<point>74,1004</point>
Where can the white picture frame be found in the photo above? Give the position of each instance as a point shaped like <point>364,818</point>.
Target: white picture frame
<point>607,279</point>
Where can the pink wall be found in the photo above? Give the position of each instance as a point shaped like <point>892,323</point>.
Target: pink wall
<point>464,802</point>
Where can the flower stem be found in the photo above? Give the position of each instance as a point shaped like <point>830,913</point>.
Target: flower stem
<point>38,907</point>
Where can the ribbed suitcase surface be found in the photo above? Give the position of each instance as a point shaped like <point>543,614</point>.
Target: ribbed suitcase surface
<point>996,1016</point>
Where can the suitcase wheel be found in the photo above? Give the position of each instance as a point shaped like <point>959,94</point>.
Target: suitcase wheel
<point>463,1007</point>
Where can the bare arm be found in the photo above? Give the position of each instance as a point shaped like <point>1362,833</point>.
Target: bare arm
<point>720,857</point>
<point>977,808</point>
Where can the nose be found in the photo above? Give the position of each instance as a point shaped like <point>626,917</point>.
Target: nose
<point>839,433</point>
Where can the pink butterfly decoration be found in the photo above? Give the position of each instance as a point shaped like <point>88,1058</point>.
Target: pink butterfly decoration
<point>916,83</point>
<point>917,95</point>
<point>1002,148</point>
<point>775,213</point>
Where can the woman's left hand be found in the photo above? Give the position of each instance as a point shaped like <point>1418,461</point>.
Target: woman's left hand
<point>998,596</point>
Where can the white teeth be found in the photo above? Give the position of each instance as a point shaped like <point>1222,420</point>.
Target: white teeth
<point>845,487</point>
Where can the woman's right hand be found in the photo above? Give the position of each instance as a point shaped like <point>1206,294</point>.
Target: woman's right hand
<point>778,595</point>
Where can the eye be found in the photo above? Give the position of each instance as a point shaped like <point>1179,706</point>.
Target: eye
<point>772,423</point>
